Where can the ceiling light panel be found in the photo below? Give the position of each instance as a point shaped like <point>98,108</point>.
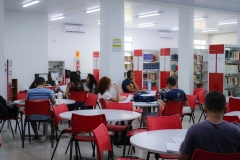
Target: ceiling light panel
<point>30,3</point>
<point>227,22</point>
<point>210,30</point>
<point>149,14</point>
<point>147,24</point>
<point>57,18</point>
<point>200,18</point>
<point>90,10</point>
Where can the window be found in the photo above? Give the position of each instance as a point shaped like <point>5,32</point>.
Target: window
<point>199,44</point>
<point>128,43</point>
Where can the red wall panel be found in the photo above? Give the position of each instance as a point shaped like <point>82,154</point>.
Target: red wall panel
<point>216,82</point>
<point>138,78</point>
<point>163,76</point>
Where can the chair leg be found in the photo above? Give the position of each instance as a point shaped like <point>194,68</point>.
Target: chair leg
<point>21,122</point>
<point>23,136</point>
<point>71,146</point>
<point>56,145</point>
<point>93,147</point>
<point>2,126</point>
<point>16,127</point>
<point>52,131</point>
<point>141,121</point>
<point>68,146</point>
<point>29,138</point>
<point>124,146</point>
<point>201,116</point>
<point>11,128</point>
<point>38,125</point>
<point>76,149</point>
<point>148,155</point>
<point>20,132</point>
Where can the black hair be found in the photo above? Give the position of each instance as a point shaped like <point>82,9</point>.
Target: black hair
<point>39,81</point>
<point>215,102</point>
<point>172,81</point>
<point>75,78</point>
<point>33,85</point>
<point>129,73</point>
<point>91,81</point>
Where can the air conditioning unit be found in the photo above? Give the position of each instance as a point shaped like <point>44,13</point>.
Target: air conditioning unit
<point>74,28</point>
<point>165,35</point>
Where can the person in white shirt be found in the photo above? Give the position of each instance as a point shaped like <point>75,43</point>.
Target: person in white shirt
<point>104,86</point>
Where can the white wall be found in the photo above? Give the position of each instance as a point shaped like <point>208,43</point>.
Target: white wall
<point>63,45</point>
<point>26,45</point>
<point>224,38</point>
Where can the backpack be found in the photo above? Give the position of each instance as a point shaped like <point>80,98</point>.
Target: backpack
<point>138,98</point>
<point>119,137</point>
<point>3,111</point>
<point>10,110</point>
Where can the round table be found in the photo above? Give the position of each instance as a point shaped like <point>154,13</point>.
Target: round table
<point>58,101</point>
<point>111,114</point>
<point>156,140</point>
<point>234,113</point>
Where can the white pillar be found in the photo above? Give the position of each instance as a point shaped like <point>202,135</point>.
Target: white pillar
<point>112,26</point>
<point>185,49</point>
<point>2,67</point>
<point>238,30</point>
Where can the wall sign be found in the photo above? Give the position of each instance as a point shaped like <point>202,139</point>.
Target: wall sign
<point>117,45</point>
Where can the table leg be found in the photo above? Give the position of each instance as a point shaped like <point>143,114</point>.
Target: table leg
<point>144,116</point>
<point>45,131</point>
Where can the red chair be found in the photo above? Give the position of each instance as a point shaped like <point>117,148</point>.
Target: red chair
<point>92,100</point>
<point>57,111</point>
<point>37,111</point>
<point>227,108</point>
<point>231,119</point>
<point>21,96</point>
<point>78,96</point>
<point>172,108</point>
<point>192,103</point>
<point>103,103</point>
<point>234,104</point>
<point>104,144</point>
<point>51,87</point>
<point>161,123</point>
<point>0,141</point>
<point>196,90</point>
<point>204,155</point>
<point>201,101</point>
<point>87,124</point>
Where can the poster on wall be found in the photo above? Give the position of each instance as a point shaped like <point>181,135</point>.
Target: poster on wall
<point>117,45</point>
<point>212,63</point>
<point>9,80</point>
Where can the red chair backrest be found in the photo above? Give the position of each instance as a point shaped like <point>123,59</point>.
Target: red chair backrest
<point>102,140</point>
<point>21,95</point>
<point>231,119</point>
<point>103,103</point>
<point>227,108</point>
<point>37,107</point>
<point>78,96</point>
<point>172,108</point>
<point>57,111</point>
<point>204,155</point>
<point>192,101</point>
<point>92,100</point>
<point>201,97</point>
<point>82,123</point>
<point>163,122</point>
<point>196,90</point>
<point>51,87</point>
<point>128,106</point>
<point>234,104</point>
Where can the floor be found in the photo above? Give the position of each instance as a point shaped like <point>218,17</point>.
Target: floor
<point>12,147</point>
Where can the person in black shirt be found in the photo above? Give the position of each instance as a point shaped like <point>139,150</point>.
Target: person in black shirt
<point>92,84</point>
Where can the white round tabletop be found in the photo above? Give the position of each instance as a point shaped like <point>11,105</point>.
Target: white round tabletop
<point>111,114</point>
<point>58,101</point>
<point>156,140</point>
<point>234,113</point>
<point>145,104</point>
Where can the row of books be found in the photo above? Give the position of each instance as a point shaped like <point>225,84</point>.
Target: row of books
<point>149,57</point>
<point>151,65</point>
<point>232,55</point>
<point>174,75</point>
<point>229,69</point>
<point>128,66</point>
<point>198,57</point>
<point>174,67</point>
<point>128,58</point>
<point>145,84</point>
<point>231,81</point>
<point>197,67</point>
<point>197,77</point>
<point>174,57</point>
<point>149,76</point>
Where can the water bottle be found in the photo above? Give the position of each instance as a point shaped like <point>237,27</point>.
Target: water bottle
<point>149,86</point>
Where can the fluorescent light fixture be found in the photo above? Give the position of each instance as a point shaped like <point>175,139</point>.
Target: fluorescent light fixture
<point>98,22</point>
<point>90,10</point>
<point>209,30</point>
<point>199,18</point>
<point>30,3</point>
<point>174,28</point>
<point>226,22</point>
<point>149,14</point>
<point>56,18</point>
<point>146,24</point>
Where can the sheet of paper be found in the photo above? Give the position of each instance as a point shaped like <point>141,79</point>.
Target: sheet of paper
<point>173,147</point>
<point>128,98</point>
<point>220,63</point>
<point>63,88</point>
<point>54,76</point>
<point>167,63</point>
<point>94,63</point>
<point>98,63</point>
<point>136,63</point>
<point>177,139</point>
<point>212,63</point>
<point>162,63</point>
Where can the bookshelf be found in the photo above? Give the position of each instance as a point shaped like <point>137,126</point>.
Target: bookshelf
<point>168,64</point>
<point>128,62</point>
<point>14,89</point>
<point>55,67</point>
<point>146,67</point>
<point>200,75</point>
<point>223,69</point>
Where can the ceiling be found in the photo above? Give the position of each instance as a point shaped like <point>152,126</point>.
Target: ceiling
<point>74,10</point>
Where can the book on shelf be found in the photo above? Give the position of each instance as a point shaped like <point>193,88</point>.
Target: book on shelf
<point>149,57</point>
<point>231,81</point>
<point>198,58</point>
<point>231,55</point>
<point>197,77</point>
<point>174,67</point>
<point>174,57</point>
<point>230,69</point>
<point>149,76</point>
<point>197,67</point>
<point>151,65</point>
<point>128,58</point>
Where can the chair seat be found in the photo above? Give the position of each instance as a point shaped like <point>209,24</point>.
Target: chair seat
<point>186,114</point>
<point>84,138</point>
<point>67,130</point>
<point>139,110</point>
<point>38,118</point>
<point>165,156</point>
<point>116,128</point>
<point>135,131</point>
<point>187,110</point>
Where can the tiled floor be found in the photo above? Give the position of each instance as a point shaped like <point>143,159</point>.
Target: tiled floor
<point>12,148</point>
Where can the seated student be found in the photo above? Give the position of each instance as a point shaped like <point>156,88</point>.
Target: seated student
<point>214,134</point>
<point>75,84</point>
<point>104,86</point>
<point>129,85</point>
<point>174,94</point>
<point>91,83</point>
<point>37,94</point>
